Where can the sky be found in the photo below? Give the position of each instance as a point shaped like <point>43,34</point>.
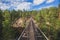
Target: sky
<point>27,4</point>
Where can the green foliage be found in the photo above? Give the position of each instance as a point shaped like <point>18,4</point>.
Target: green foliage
<point>46,18</point>
<point>1,19</point>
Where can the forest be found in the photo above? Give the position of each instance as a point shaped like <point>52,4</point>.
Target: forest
<point>48,20</point>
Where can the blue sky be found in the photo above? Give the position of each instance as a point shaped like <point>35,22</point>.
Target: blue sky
<point>27,4</point>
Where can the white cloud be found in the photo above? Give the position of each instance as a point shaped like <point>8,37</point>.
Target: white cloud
<point>13,0</point>
<point>23,6</point>
<point>37,2</point>
<point>15,3</point>
<point>19,4</point>
<point>50,1</point>
<point>46,7</point>
<point>3,6</point>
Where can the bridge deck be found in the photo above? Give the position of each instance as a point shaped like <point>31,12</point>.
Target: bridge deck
<point>31,32</point>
